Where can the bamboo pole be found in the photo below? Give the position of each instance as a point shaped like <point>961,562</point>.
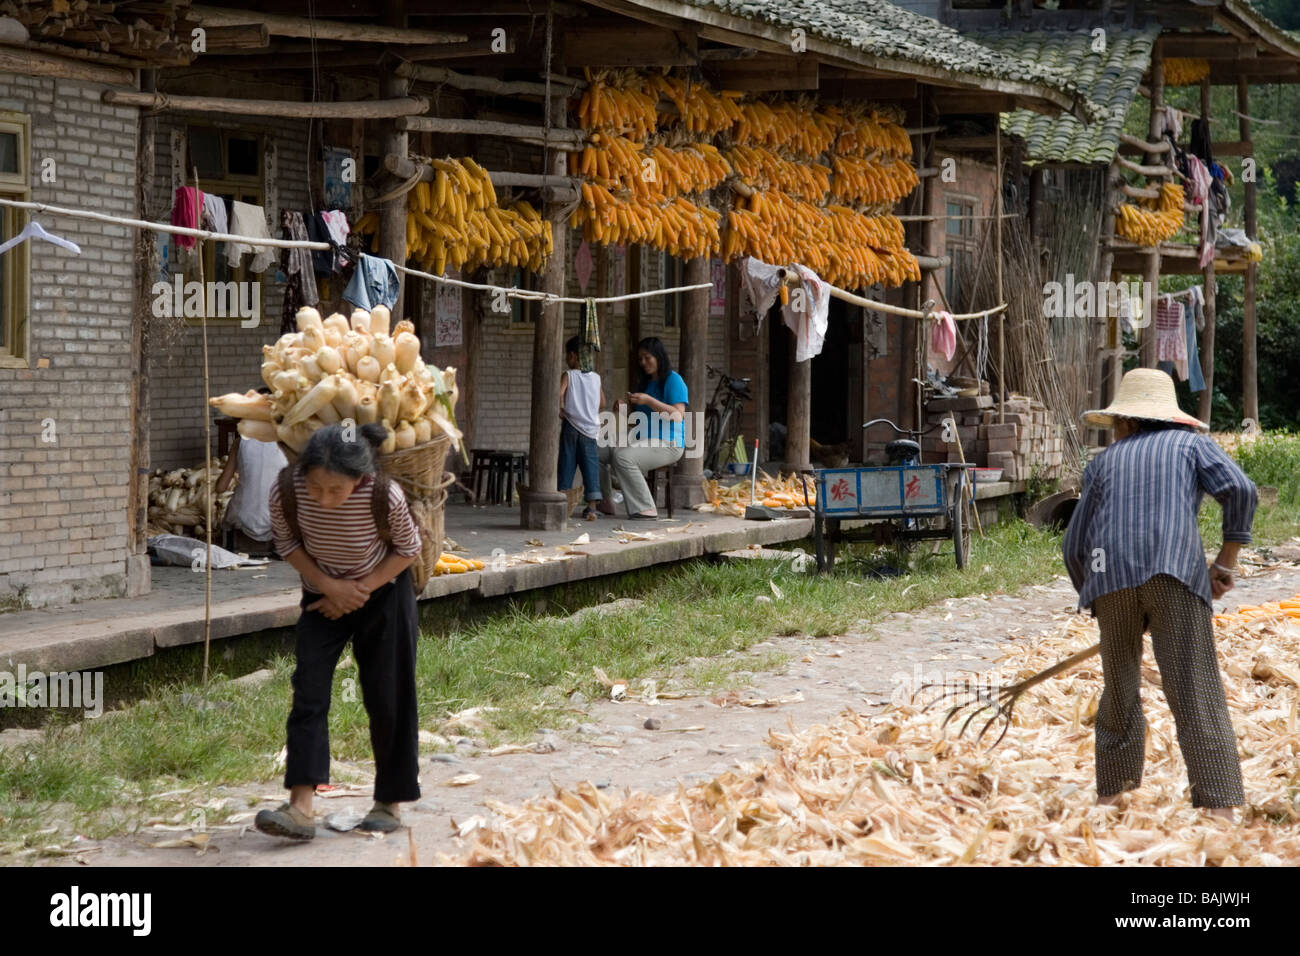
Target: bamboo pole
<point>485,84</point>
<point>1002,353</point>
<point>1249,357</point>
<point>207,455</point>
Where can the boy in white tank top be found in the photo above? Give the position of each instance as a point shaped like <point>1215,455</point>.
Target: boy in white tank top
<point>581,399</point>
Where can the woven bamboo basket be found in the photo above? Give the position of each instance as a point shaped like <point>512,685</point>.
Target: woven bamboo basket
<point>419,470</point>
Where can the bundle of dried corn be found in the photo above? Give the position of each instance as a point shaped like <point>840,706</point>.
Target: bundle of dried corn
<point>177,500</point>
<point>894,789</point>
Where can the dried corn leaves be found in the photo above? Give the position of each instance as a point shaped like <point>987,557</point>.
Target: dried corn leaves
<point>895,789</point>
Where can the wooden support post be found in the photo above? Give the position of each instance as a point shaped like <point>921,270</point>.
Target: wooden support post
<point>542,507</point>
<point>1102,327</point>
<point>1249,357</point>
<point>998,180</point>
<point>1151,270</point>
<point>798,412</point>
<point>392,215</point>
<point>138,574</point>
<point>688,488</point>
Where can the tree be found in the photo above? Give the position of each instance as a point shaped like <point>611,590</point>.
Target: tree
<point>1282,12</point>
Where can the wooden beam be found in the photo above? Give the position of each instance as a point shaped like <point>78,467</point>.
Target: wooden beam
<point>288,26</point>
<point>249,36</point>
<point>339,56</point>
<point>626,44</point>
<point>972,102</point>
<point>486,84</point>
<point>725,53</point>
<point>1161,146</point>
<point>571,140</point>
<point>1137,192</point>
<point>1206,46</point>
<point>1143,170</point>
<point>365,109</point>
<point>1233,149</point>
<point>23,62</point>
<point>760,73</point>
<point>862,88</point>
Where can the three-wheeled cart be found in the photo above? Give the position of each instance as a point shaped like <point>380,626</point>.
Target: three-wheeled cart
<point>919,501</point>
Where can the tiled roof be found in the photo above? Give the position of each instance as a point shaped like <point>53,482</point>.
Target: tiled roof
<point>880,29</point>
<point>1109,79</point>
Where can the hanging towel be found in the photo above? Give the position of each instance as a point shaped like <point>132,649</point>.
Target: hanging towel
<point>324,261</point>
<point>759,284</point>
<point>185,212</point>
<point>336,224</point>
<point>214,213</point>
<point>588,337</point>
<point>809,323</point>
<point>1171,338</point>
<point>248,220</point>
<point>943,336</point>
<point>373,283</point>
<point>1196,296</point>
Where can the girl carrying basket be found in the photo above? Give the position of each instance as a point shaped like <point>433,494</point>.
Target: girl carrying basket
<point>345,527</point>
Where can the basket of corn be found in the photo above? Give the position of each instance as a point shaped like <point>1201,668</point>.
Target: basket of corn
<point>337,370</point>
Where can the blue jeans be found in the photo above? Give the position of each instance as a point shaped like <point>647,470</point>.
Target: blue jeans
<point>578,451</point>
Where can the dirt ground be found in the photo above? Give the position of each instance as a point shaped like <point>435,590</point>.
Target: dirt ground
<point>696,738</point>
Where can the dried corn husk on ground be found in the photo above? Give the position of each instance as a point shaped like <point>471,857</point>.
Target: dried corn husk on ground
<point>894,789</point>
<point>783,491</point>
<point>178,500</point>
<point>335,369</point>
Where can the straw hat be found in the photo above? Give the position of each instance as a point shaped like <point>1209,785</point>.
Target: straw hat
<point>1144,393</point>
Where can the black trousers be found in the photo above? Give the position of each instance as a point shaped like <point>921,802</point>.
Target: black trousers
<point>383,634</point>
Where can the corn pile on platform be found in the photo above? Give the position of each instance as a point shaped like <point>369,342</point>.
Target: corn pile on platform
<point>893,789</point>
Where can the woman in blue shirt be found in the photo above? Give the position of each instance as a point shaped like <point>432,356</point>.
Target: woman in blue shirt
<point>656,433</point>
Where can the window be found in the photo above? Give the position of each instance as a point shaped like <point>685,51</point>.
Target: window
<point>672,273</point>
<point>15,265</point>
<point>521,310</point>
<point>229,165</point>
<point>959,244</point>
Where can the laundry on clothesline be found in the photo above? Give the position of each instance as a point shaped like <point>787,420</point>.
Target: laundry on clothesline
<point>214,213</point>
<point>248,220</point>
<point>807,314</point>
<point>943,336</point>
<point>374,282</point>
<point>187,207</point>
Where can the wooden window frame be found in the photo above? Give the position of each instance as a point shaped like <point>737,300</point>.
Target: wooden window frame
<point>16,264</point>
<point>963,241</point>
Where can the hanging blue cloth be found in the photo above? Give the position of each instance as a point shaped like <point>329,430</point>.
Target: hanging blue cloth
<point>1195,380</point>
<point>373,283</point>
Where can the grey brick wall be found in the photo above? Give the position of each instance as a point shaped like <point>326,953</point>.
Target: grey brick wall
<point>63,520</point>
<point>177,403</point>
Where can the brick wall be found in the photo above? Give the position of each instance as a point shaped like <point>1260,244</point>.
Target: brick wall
<point>63,503</point>
<point>177,403</point>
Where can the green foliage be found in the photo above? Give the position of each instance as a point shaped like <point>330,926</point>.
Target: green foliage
<point>1273,459</point>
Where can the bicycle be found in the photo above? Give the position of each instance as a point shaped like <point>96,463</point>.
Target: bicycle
<point>722,417</point>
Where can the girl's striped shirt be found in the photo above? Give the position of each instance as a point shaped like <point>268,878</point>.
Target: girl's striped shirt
<point>344,541</point>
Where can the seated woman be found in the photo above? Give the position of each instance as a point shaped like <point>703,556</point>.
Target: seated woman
<point>661,397</point>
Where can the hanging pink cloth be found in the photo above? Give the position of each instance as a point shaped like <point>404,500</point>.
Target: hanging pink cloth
<point>943,336</point>
<point>186,208</point>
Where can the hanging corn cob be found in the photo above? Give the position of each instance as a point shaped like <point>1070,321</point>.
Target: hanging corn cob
<point>1155,220</point>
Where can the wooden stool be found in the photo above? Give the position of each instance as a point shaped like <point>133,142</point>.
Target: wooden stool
<point>505,469</point>
<point>479,472</point>
<point>666,472</point>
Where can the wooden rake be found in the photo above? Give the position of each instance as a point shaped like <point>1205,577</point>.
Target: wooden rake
<point>978,698</point>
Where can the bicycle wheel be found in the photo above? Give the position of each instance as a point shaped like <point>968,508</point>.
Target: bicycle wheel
<point>960,526</point>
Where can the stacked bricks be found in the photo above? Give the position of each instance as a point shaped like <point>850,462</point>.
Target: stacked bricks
<point>1027,442</point>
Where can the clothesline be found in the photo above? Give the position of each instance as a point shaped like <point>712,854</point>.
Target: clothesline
<point>791,276</point>
<point>165,226</point>
<point>533,295</point>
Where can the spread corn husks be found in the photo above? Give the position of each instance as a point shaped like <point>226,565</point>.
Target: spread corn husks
<point>178,499</point>
<point>896,789</point>
<point>783,491</point>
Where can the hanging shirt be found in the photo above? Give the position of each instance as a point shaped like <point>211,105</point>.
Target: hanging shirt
<point>186,206</point>
<point>373,283</point>
<point>214,213</point>
<point>809,323</point>
<point>1137,513</point>
<point>344,541</point>
<point>671,392</point>
<point>248,220</point>
<point>1171,340</point>
<point>297,262</point>
<point>582,402</point>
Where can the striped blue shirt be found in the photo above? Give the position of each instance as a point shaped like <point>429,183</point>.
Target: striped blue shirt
<point>1136,515</point>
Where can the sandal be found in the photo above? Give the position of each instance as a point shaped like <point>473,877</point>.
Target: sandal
<point>591,514</point>
<point>286,821</point>
<point>382,818</point>
<point>637,517</point>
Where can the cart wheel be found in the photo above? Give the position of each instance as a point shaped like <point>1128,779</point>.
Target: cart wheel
<point>960,529</point>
